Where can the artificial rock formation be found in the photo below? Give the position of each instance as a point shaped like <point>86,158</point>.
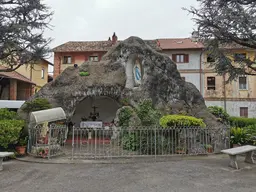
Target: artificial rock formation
<point>130,71</point>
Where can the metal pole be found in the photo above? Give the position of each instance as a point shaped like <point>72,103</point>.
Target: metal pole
<point>73,142</point>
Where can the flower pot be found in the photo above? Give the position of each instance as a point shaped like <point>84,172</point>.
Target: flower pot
<point>21,150</point>
<point>210,150</point>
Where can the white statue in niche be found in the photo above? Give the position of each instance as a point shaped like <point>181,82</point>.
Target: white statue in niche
<point>137,72</point>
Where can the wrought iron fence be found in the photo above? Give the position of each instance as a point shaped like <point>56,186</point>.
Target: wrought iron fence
<point>47,141</point>
<point>147,141</point>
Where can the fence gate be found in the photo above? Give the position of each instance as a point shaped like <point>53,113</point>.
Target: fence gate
<point>126,142</point>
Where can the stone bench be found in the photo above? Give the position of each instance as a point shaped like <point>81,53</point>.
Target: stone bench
<point>247,149</point>
<point>2,155</point>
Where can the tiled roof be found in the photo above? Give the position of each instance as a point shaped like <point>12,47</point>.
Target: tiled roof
<point>15,75</point>
<point>81,46</point>
<point>179,43</point>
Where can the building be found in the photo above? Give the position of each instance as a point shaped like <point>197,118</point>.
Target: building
<point>187,54</point>
<point>37,73</point>
<point>15,89</point>
<point>238,97</point>
<point>17,86</point>
<point>78,52</point>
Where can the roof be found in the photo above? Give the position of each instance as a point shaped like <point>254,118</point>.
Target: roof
<point>47,61</point>
<point>15,75</point>
<point>104,46</point>
<point>80,46</point>
<point>179,43</point>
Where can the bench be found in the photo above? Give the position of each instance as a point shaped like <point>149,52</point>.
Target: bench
<point>247,149</point>
<point>2,155</point>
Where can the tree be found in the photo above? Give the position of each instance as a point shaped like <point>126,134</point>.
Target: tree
<point>223,25</point>
<point>22,24</point>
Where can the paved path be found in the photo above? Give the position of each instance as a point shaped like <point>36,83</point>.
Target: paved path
<point>202,175</point>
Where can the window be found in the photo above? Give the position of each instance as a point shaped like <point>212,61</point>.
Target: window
<point>180,58</point>
<point>243,111</point>
<point>183,78</point>
<point>210,83</point>
<point>210,59</point>
<point>67,60</point>
<point>42,74</point>
<point>93,58</point>
<point>242,83</point>
<point>240,56</point>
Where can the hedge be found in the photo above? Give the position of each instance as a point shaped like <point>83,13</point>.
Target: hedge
<point>5,114</point>
<point>180,120</point>
<point>10,131</point>
<point>242,121</point>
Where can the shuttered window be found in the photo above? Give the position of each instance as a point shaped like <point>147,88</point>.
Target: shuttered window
<point>243,111</point>
<point>180,58</point>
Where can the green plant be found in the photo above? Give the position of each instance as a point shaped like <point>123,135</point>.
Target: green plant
<point>124,117</point>
<point>251,134</point>
<point>84,73</point>
<point>208,146</point>
<point>180,120</point>
<point>241,121</point>
<point>130,141</point>
<point>10,131</point>
<point>125,101</point>
<point>6,114</point>
<point>37,105</point>
<point>238,135</point>
<point>23,141</point>
<point>147,113</point>
<point>219,113</point>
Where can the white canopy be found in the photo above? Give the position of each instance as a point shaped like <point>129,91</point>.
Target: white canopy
<point>48,115</point>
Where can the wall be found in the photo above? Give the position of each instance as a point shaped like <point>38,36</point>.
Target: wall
<point>23,90</point>
<point>233,107</point>
<point>36,76</point>
<point>194,58</point>
<point>192,78</point>
<point>77,58</point>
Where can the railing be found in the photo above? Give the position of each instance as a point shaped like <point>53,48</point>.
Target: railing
<point>147,141</point>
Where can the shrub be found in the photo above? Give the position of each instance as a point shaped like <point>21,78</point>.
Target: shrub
<point>220,113</point>
<point>130,141</point>
<point>37,105</point>
<point>180,120</point>
<point>124,117</point>
<point>251,134</point>
<point>6,114</point>
<point>84,73</point>
<point>241,121</point>
<point>10,131</point>
<point>147,113</point>
<point>238,135</point>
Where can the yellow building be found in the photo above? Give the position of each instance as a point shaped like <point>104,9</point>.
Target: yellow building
<point>237,97</point>
<point>37,73</point>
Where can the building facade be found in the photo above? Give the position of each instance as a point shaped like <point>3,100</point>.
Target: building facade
<point>238,97</point>
<point>19,85</point>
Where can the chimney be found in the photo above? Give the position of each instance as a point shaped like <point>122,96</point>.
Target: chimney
<point>195,36</point>
<point>114,38</point>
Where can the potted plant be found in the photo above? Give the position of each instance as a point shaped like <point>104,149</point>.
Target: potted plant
<point>21,145</point>
<point>180,150</point>
<point>238,136</point>
<point>209,148</point>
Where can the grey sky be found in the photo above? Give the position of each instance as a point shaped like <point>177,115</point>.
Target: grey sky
<point>84,20</point>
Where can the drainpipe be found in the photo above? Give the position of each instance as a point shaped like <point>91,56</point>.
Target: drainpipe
<point>200,72</point>
<point>224,92</point>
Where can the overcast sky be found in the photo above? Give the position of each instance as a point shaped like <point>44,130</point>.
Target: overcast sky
<point>86,20</point>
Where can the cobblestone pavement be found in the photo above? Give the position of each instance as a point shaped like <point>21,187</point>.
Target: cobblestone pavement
<point>208,174</point>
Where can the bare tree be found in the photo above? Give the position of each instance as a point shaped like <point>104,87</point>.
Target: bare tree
<point>224,25</point>
<point>22,24</point>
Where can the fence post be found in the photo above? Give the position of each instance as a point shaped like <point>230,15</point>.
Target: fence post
<point>73,142</point>
<point>155,142</point>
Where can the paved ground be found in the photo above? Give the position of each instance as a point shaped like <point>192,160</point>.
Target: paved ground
<point>206,174</point>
